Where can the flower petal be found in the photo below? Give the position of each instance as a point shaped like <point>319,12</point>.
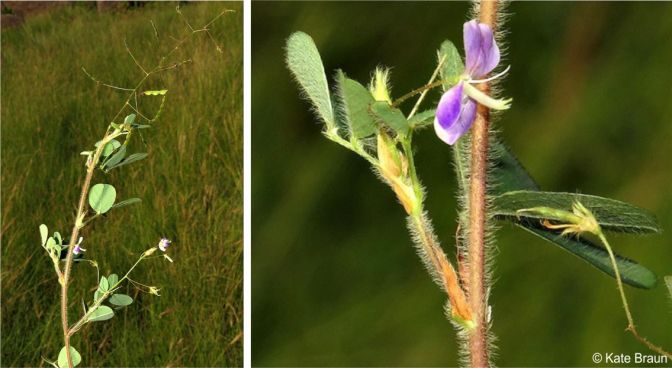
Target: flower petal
<point>454,115</point>
<point>481,50</point>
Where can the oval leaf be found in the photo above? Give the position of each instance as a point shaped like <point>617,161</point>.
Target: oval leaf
<point>104,285</point>
<point>356,100</point>
<point>304,61</point>
<point>44,233</point>
<point>112,280</point>
<point>63,357</point>
<point>102,313</point>
<point>390,116</point>
<point>101,197</point>
<point>121,300</point>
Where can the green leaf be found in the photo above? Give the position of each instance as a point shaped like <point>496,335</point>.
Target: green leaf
<point>121,300</point>
<point>140,126</point>
<point>97,295</point>
<point>612,215</point>
<point>112,280</point>
<point>44,233</point>
<point>51,243</point>
<point>128,160</point>
<point>63,357</point>
<point>160,92</point>
<point>127,202</point>
<point>104,285</point>
<point>115,158</point>
<point>129,119</point>
<point>58,238</point>
<point>668,282</point>
<point>102,313</point>
<point>508,173</point>
<point>101,197</point>
<point>422,119</point>
<point>632,273</point>
<point>303,59</point>
<point>110,147</point>
<point>390,116</point>
<point>452,66</point>
<point>356,100</point>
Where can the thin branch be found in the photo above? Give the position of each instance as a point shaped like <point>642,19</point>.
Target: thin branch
<point>134,59</point>
<point>105,84</point>
<point>424,93</point>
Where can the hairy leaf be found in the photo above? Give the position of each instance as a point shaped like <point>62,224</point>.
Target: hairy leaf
<point>452,66</point>
<point>303,59</point>
<point>356,100</point>
<point>390,116</point>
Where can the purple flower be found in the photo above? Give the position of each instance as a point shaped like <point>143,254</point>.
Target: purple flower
<point>77,249</point>
<point>164,244</point>
<point>457,108</point>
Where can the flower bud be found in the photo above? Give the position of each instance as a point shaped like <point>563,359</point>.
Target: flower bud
<point>379,85</point>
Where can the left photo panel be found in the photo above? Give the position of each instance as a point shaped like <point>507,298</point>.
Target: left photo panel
<point>122,184</point>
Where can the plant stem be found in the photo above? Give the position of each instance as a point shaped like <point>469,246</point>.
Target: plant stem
<point>91,166</point>
<point>631,323</point>
<point>478,341</point>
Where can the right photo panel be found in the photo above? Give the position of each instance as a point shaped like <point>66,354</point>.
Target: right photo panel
<point>461,184</point>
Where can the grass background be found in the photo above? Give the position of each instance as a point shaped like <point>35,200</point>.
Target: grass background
<point>336,280</point>
<point>191,184</point>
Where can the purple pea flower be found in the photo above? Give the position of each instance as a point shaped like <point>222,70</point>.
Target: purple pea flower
<point>164,243</point>
<point>457,108</point>
<point>77,248</point>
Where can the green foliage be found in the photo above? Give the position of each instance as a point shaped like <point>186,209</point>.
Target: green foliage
<point>390,117</point>
<point>101,313</point>
<point>115,159</point>
<point>668,283</point>
<point>422,119</point>
<point>102,197</point>
<point>304,61</point>
<point>103,285</point>
<point>193,182</point>
<point>112,279</point>
<point>44,233</point>
<point>121,300</point>
<point>452,66</point>
<point>63,357</point>
<point>356,100</point>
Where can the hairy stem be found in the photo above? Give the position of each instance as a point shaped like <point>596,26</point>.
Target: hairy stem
<point>91,166</point>
<point>631,323</point>
<point>478,340</point>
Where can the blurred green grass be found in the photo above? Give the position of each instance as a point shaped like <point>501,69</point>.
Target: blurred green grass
<point>336,280</point>
<point>191,184</point>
